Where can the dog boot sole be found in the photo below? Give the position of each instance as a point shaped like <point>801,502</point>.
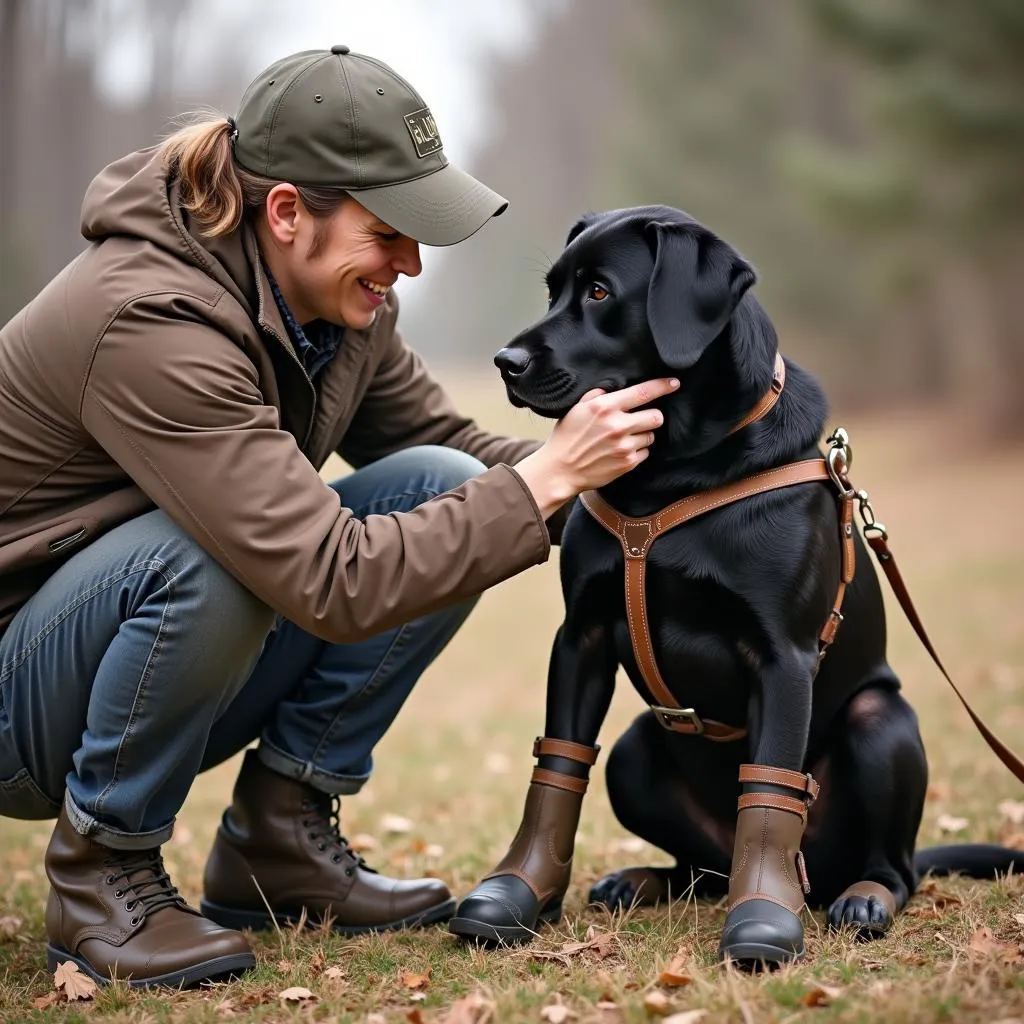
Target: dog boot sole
<point>502,934</point>
<point>220,968</point>
<point>753,954</point>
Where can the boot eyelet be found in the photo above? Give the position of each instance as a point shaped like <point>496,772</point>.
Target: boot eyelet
<point>109,880</point>
<point>321,847</point>
<point>312,835</point>
<point>348,871</point>
<point>130,906</point>
<point>134,921</point>
<point>335,858</point>
<point>118,893</point>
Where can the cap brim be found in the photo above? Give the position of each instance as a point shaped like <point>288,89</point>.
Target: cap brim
<point>438,209</point>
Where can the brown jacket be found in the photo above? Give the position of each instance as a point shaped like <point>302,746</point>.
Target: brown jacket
<point>155,371</point>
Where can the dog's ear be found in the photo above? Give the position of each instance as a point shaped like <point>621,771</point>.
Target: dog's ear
<point>698,281</point>
<point>581,225</point>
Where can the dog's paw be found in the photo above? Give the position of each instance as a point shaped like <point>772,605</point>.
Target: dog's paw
<point>865,915</point>
<point>632,887</point>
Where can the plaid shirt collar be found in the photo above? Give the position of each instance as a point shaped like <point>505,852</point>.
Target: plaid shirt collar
<point>317,343</point>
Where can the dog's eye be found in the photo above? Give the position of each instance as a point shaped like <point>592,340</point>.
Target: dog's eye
<point>597,292</point>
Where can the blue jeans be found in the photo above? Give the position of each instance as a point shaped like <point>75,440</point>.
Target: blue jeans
<point>141,662</point>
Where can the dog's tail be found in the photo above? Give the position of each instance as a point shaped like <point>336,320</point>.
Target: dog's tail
<point>975,860</point>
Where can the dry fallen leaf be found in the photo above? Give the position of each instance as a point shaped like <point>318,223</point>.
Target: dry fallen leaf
<point>414,981</point>
<point>376,1018</point>
<point>1019,918</point>
<point>395,823</point>
<point>45,1002</point>
<point>284,966</point>
<point>296,994</point>
<point>72,982</point>
<point>821,995</point>
<point>334,974</point>
<point>9,927</point>
<point>474,1009</point>
<point>949,823</point>
<point>414,1016</point>
<point>433,851</point>
<point>675,975</point>
<point>225,1008</point>
<point>556,1013</point>
<point>984,943</point>
<point>687,1017</point>
<point>938,896</point>
<point>657,1004</point>
<point>1013,810</point>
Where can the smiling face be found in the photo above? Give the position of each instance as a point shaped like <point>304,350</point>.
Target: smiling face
<point>595,332</point>
<point>337,268</point>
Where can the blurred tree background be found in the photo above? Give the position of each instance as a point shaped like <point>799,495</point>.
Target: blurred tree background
<point>866,155</point>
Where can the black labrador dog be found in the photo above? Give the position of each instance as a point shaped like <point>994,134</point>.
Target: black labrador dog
<point>736,601</point>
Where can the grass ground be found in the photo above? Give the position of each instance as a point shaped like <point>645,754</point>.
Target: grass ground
<point>456,765</point>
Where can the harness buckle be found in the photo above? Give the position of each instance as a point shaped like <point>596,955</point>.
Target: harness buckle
<point>666,716</point>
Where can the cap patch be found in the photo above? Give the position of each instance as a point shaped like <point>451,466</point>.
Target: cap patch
<point>423,129</point>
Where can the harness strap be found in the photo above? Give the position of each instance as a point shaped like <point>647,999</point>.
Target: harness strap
<point>636,537</point>
<point>769,398</point>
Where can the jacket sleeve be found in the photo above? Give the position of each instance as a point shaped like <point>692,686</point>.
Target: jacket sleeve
<point>177,405</point>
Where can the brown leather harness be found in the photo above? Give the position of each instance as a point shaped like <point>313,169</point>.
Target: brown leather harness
<point>638,534</point>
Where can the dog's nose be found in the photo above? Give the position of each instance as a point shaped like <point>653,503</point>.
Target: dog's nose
<point>512,361</point>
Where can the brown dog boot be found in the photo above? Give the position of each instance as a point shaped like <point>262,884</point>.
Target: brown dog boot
<point>279,842</point>
<point>115,913</point>
<point>768,880</point>
<point>526,888</point>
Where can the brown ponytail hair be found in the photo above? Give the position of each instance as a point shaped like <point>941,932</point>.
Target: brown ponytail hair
<point>216,190</point>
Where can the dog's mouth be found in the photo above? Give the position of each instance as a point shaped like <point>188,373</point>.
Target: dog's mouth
<point>551,396</point>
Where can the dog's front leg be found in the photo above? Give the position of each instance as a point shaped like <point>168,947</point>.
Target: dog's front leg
<point>768,879</point>
<point>527,886</point>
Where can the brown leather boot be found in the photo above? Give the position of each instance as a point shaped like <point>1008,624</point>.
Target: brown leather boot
<point>115,914</point>
<point>768,880</point>
<point>525,890</point>
<point>279,842</point>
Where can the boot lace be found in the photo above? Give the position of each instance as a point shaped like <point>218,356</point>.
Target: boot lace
<point>324,828</point>
<point>141,877</point>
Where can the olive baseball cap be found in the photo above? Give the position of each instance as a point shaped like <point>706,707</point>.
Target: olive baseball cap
<point>337,119</point>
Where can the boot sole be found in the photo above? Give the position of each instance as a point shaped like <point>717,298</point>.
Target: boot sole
<point>502,934</point>
<point>261,921</point>
<point>753,954</point>
<point>219,968</point>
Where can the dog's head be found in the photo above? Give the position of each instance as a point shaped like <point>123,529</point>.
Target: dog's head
<point>636,294</point>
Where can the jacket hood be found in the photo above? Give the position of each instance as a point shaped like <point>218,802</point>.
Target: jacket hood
<point>138,197</point>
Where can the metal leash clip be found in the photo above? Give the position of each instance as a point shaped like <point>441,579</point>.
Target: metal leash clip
<point>867,514</point>
<point>839,460</point>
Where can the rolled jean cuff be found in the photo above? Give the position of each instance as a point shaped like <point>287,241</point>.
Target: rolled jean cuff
<point>114,839</point>
<point>304,771</point>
